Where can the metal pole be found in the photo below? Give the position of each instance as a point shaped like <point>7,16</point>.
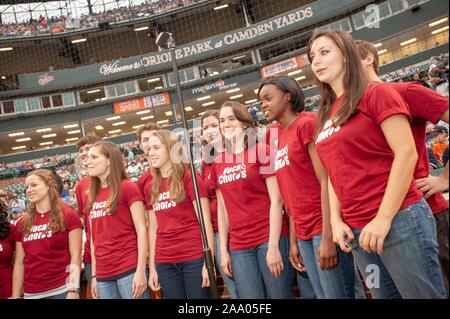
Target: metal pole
<point>206,250</point>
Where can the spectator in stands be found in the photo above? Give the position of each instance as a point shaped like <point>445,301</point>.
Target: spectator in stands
<point>145,181</point>
<point>7,244</point>
<point>173,222</point>
<point>253,110</point>
<point>212,140</point>
<point>253,223</point>
<point>303,184</point>
<point>419,80</point>
<point>425,107</point>
<point>436,76</point>
<point>65,191</point>
<point>440,140</point>
<point>358,119</point>
<point>445,156</point>
<point>81,189</point>
<point>119,242</point>
<point>429,132</point>
<point>48,244</point>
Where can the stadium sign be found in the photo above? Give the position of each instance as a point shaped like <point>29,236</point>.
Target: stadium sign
<point>141,103</point>
<point>283,66</point>
<point>189,53</point>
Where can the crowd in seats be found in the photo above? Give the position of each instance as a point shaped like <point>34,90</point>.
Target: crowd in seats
<point>53,25</point>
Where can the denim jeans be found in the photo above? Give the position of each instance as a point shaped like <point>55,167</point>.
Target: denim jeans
<point>442,227</point>
<point>304,285</point>
<point>409,263</point>
<point>182,280</point>
<point>228,281</point>
<point>252,275</point>
<point>118,289</point>
<point>59,296</point>
<point>336,283</point>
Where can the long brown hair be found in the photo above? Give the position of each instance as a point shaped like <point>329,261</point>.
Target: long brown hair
<point>56,221</point>
<point>243,116</point>
<point>355,80</point>
<point>175,182</point>
<point>117,173</point>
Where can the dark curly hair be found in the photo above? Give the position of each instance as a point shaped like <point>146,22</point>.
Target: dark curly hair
<point>4,223</point>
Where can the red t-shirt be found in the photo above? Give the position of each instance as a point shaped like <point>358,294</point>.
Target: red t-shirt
<point>271,136</point>
<point>81,190</point>
<point>114,235</point>
<point>241,180</point>
<point>206,177</point>
<point>47,254</point>
<point>424,105</point>
<point>358,158</point>
<point>178,237</point>
<point>6,263</point>
<point>145,185</point>
<point>299,186</point>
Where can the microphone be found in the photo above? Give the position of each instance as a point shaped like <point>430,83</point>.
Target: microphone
<point>164,40</point>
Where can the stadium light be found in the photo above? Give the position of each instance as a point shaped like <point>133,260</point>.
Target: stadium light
<point>99,128</point>
<point>70,126</point>
<point>79,40</point>
<point>239,57</point>
<point>46,143</point>
<point>209,103</point>
<point>204,98</point>
<point>250,101</point>
<point>294,72</point>
<point>300,78</point>
<point>233,90</point>
<point>377,45</point>
<point>73,132</point>
<point>221,7</point>
<point>3,77</point>
<point>49,135</point>
<point>42,130</point>
<point>188,108</point>
<point>137,126</point>
<point>16,134</point>
<point>153,80</point>
<point>145,118</point>
<point>162,122</point>
<point>140,29</point>
<point>72,139</point>
<point>382,51</point>
<point>19,147</point>
<point>119,123</point>
<point>168,113</point>
<point>234,97</point>
<point>25,139</point>
<point>439,30</point>
<point>115,131</point>
<point>112,118</point>
<point>408,42</point>
<point>6,49</point>
<point>143,112</point>
<point>93,91</point>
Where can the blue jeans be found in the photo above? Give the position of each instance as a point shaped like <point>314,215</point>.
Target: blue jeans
<point>336,283</point>
<point>408,265</point>
<point>182,280</point>
<point>118,289</point>
<point>252,275</point>
<point>228,281</point>
<point>304,286</point>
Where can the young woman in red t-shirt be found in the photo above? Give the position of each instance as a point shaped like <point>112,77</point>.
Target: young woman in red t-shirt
<point>176,250</point>
<point>366,145</point>
<point>303,184</point>
<point>7,243</point>
<point>48,243</point>
<point>119,243</point>
<point>250,210</point>
<point>212,139</point>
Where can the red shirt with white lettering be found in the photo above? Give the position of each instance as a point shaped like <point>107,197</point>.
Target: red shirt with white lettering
<point>114,235</point>
<point>6,263</point>
<point>241,178</point>
<point>145,185</point>
<point>358,158</point>
<point>299,186</point>
<point>81,190</point>
<point>178,237</point>
<point>47,254</point>
<point>206,176</point>
<point>424,105</point>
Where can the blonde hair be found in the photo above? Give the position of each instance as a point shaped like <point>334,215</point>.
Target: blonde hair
<point>56,222</point>
<point>175,182</point>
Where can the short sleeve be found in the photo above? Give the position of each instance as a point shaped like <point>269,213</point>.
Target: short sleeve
<point>80,198</point>
<point>189,187</point>
<point>306,131</point>
<point>265,160</point>
<point>425,103</point>
<point>71,219</point>
<point>131,193</point>
<point>384,101</point>
<point>18,230</point>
